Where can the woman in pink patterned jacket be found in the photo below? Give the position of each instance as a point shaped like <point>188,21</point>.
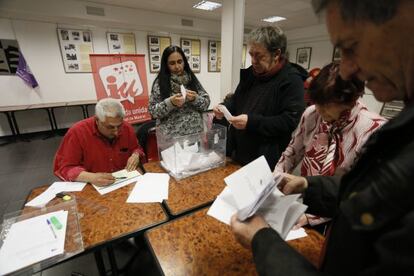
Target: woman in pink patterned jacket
<point>332,132</point>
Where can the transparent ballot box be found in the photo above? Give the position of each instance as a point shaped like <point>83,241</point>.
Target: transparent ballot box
<point>33,239</point>
<point>187,155</point>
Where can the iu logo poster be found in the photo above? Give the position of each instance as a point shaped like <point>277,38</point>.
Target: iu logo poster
<point>123,77</point>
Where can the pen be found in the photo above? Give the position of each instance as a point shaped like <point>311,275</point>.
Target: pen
<point>51,228</point>
<point>121,177</point>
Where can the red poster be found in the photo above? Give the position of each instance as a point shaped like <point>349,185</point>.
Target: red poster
<point>123,77</point>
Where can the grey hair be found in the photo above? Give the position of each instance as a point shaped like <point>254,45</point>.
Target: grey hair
<point>376,11</point>
<point>272,38</point>
<point>109,108</point>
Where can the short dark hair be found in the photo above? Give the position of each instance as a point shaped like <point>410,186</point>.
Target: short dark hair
<point>328,87</point>
<point>376,11</point>
<point>164,75</point>
<point>271,37</point>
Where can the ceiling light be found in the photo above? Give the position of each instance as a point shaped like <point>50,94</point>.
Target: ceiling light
<point>272,19</point>
<point>207,5</point>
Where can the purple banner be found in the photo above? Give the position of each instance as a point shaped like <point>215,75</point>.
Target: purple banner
<point>23,71</point>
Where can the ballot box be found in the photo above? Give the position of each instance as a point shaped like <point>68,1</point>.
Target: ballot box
<point>183,156</point>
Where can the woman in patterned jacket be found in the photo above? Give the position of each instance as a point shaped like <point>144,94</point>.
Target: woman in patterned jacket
<point>175,114</point>
<point>332,132</point>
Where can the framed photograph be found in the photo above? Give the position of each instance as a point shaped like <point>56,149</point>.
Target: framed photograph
<point>336,55</point>
<point>192,51</point>
<point>303,56</point>
<point>9,56</point>
<point>156,46</point>
<point>121,43</point>
<point>214,56</point>
<point>75,47</point>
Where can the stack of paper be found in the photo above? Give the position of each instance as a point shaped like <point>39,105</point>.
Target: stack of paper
<point>151,187</point>
<point>188,159</point>
<point>53,189</point>
<point>32,240</point>
<point>123,178</point>
<point>252,189</point>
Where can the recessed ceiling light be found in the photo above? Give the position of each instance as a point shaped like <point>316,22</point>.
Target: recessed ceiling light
<point>207,5</point>
<point>272,19</point>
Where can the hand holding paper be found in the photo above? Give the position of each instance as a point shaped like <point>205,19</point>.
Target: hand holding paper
<point>252,189</point>
<point>183,91</point>
<point>225,111</point>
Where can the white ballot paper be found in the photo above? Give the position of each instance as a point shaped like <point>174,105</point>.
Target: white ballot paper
<point>151,187</point>
<point>32,240</point>
<point>225,111</point>
<point>123,178</point>
<point>183,91</point>
<point>188,159</point>
<point>252,190</point>
<point>53,189</point>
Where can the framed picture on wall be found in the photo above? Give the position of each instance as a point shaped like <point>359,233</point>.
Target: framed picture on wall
<point>336,55</point>
<point>192,51</point>
<point>121,43</point>
<point>156,45</point>
<point>75,47</point>
<point>214,56</point>
<point>303,56</point>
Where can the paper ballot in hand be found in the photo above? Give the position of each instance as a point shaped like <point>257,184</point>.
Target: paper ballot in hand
<point>183,91</point>
<point>225,111</point>
<point>253,189</point>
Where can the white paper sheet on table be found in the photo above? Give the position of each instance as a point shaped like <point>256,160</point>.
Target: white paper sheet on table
<point>50,193</point>
<point>30,241</point>
<point>151,187</point>
<point>296,234</point>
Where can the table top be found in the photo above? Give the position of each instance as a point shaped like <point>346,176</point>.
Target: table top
<point>194,191</point>
<point>104,218</point>
<point>198,244</point>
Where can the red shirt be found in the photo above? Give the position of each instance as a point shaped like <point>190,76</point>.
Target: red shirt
<point>84,148</point>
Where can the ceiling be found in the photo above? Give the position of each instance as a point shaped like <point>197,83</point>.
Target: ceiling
<point>298,12</point>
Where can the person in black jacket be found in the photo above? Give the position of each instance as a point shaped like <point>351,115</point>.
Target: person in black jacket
<point>267,103</point>
<point>372,230</point>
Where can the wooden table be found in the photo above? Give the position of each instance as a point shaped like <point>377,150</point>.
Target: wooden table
<point>108,218</point>
<point>198,244</point>
<point>194,191</point>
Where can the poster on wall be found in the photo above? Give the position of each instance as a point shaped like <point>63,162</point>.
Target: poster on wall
<point>192,51</point>
<point>121,43</point>
<point>75,47</point>
<point>303,56</point>
<point>156,46</point>
<point>123,77</point>
<point>214,56</point>
<point>9,56</point>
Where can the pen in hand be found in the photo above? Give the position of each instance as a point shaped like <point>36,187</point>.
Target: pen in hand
<point>121,177</point>
<point>51,228</point>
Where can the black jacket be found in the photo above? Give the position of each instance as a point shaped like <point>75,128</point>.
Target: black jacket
<point>372,231</point>
<point>274,106</point>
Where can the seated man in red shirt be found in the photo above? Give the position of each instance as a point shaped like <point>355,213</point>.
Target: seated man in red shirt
<point>95,147</point>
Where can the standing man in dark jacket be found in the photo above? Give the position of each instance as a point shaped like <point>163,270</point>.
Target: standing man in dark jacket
<point>372,231</point>
<point>267,103</point>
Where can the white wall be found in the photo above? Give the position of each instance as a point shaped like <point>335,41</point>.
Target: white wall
<point>317,37</point>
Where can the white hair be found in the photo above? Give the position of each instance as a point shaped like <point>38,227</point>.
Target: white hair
<point>109,108</point>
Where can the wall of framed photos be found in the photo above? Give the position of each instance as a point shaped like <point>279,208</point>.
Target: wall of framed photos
<point>156,46</point>
<point>192,51</point>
